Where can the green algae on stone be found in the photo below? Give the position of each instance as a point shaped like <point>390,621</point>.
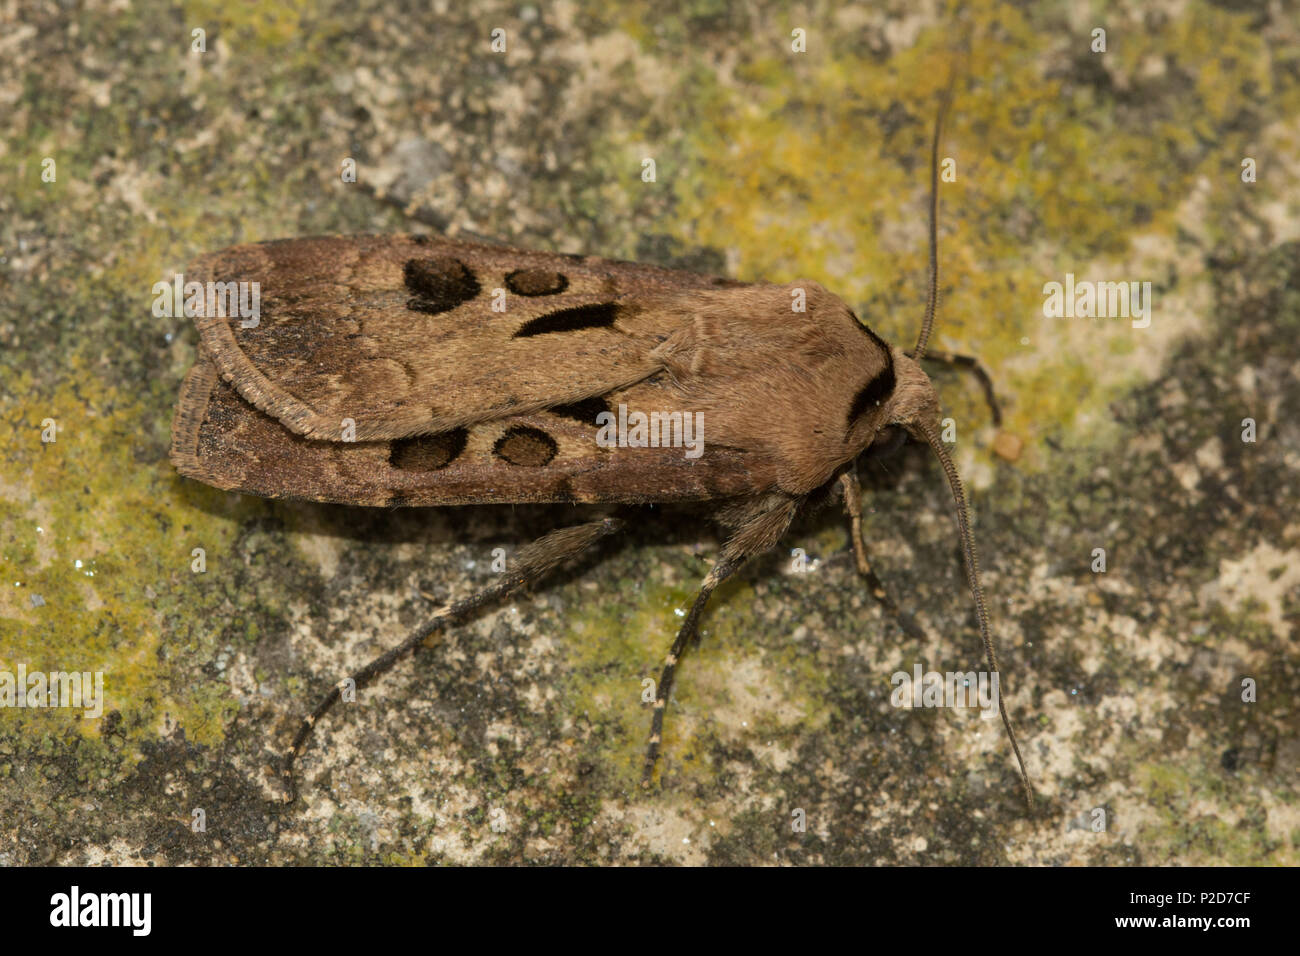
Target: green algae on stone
<point>772,166</point>
<point>815,168</point>
<point>95,533</point>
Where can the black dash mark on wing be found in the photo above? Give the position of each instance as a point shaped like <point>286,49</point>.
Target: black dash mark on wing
<point>874,392</point>
<point>534,282</point>
<point>889,358</point>
<point>438,284</point>
<point>584,411</point>
<point>428,452</point>
<point>570,320</point>
<point>881,385</point>
<point>527,447</point>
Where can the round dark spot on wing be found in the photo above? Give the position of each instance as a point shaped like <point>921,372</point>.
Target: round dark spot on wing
<point>438,284</point>
<point>427,452</point>
<point>526,447</point>
<point>533,282</point>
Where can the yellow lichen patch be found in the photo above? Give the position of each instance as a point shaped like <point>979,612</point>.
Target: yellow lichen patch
<point>816,166</point>
<point>95,530</point>
<point>1187,818</point>
<point>269,24</point>
<point>613,648</point>
<point>723,688</point>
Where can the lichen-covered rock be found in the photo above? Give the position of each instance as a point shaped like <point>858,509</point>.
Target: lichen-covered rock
<point>1171,446</point>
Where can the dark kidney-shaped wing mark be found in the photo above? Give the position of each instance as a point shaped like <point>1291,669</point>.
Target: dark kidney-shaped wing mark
<point>438,284</point>
<point>584,411</point>
<point>533,282</point>
<point>570,320</point>
<point>526,447</point>
<point>428,452</point>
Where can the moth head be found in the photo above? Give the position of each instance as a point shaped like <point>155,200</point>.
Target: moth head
<point>898,401</point>
<point>915,405</point>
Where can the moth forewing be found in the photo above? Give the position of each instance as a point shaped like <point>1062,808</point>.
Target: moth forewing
<point>392,381</point>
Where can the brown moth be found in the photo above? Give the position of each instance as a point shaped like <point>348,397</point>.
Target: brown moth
<point>379,373</point>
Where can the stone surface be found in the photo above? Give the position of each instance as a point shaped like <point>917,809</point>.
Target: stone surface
<point>518,737</point>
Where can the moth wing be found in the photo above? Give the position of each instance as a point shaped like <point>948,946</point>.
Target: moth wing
<point>550,456</point>
<point>387,337</point>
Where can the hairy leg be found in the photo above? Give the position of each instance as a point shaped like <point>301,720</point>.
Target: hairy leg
<point>531,564</point>
<point>853,505</point>
<point>721,571</point>
<point>968,363</point>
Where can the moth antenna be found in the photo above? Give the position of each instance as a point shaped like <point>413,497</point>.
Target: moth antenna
<point>932,294</point>
<point>977,591</point>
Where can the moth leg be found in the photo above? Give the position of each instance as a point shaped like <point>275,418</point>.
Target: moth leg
<point>725,567</point>
<point>968,363</point>
<point>531,564</point>
<point>853,505</point>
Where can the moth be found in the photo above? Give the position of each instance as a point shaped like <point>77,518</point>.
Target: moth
<point>388,371</point>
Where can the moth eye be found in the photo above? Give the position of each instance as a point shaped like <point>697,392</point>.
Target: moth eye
<point>584,411</point>
<point>427,452</point>
<point>887,441</point>
<point>438,284</point>
<point>536,282</point>
<point>527,447</point>
<point>570,320</point>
